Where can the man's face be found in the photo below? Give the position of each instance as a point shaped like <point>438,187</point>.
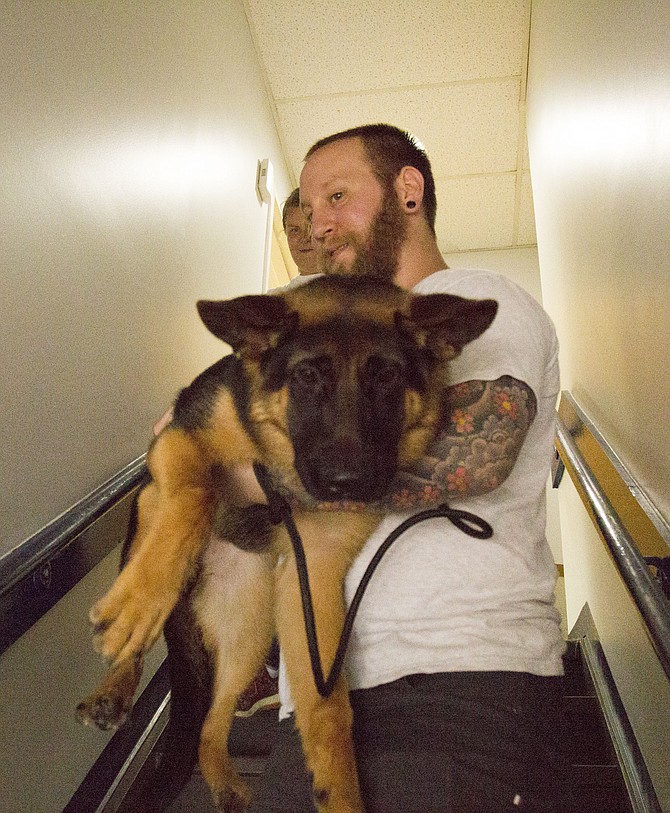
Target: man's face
<point>357,225</point>
<point>304,253</point>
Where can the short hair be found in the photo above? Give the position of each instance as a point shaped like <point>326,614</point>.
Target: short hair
<point>389,149</point>
<point>291,202</point>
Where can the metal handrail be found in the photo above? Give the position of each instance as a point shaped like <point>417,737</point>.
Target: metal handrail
<point>47,542</point>
<point>35,575</point>
<point>653,606</point>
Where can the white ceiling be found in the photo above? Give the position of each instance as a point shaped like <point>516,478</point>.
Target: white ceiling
<point>453,72</point>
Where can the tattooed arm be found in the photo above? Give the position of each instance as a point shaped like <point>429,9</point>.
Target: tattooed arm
<point>487,424</point>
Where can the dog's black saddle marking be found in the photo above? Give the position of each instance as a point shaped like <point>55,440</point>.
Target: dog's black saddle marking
<point>195,403</point>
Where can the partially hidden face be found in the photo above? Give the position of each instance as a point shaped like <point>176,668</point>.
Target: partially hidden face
<point>348,375</point>
<point>303,252</point>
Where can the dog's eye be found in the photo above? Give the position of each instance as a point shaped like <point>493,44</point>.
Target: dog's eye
<point>383,373</point>
<point>306,375</point>
<point>389,375</point>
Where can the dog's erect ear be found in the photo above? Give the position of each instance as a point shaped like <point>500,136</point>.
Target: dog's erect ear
<point>445,323</point>
<point>249,324</point>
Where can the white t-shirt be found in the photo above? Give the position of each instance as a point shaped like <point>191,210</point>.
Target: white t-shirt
<point>442,601</point>
<point>299,280</point>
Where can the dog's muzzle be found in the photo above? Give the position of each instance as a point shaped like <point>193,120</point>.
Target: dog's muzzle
<point>346,470</point>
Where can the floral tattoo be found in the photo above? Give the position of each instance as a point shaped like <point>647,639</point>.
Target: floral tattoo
<point>487,424</point>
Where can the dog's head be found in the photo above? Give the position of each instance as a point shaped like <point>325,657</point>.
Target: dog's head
<point>347,376</point>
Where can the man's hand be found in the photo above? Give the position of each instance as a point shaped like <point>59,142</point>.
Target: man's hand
<point>163,421</point>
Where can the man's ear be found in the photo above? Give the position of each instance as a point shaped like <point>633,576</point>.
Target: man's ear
<point>409,188</point>
<point>444,323</point>
<point>249,324</point>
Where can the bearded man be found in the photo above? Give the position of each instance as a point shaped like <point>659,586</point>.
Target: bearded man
<point>455,659</point>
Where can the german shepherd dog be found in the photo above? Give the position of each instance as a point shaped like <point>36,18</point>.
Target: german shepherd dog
<point>335,386</point>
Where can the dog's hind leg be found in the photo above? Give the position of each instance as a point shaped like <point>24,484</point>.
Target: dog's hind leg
<point>234,608</point>
<point>331,542</point>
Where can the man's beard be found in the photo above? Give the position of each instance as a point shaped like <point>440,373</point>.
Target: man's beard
<point>379,255</point>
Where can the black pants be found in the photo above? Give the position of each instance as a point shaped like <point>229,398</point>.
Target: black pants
<point>467,742</point>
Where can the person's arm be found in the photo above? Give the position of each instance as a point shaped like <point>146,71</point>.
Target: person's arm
<point>487,423</point>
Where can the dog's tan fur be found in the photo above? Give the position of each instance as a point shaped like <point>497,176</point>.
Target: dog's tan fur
<point>259,592</point>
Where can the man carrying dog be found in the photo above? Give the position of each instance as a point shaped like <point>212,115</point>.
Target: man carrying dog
<point>455,657</point>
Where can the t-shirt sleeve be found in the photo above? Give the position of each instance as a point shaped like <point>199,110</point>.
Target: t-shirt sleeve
<point>520,342</point>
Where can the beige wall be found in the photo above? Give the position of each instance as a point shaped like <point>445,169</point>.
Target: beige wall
<point>46,752</point>
<point>599,140</point>
<point>129,142</point>
<point>521,265</point>
<point>598,132</point>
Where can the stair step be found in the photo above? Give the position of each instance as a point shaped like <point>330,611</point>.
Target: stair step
<point>599,789</point>
<point>587,738</point>
<point>577,680</point>
<point>253,736</point>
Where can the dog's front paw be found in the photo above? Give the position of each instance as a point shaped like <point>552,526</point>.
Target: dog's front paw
<point>129,618</point>
<point>106,711</point>
<point>109,705</point>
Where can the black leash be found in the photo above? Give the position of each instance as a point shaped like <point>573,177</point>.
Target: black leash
<point>280,511</point>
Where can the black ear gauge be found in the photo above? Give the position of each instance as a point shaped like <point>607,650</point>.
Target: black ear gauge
<point>411,204</point>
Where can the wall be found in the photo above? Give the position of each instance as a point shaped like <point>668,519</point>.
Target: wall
<point>46,752</point>
<point>599,119</point>
<point>129,144</point>
<point>521,265</point>
<point>130,137</point>
<point>598,122</point>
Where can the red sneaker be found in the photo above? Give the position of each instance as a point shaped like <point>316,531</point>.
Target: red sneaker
<point>262,693</point>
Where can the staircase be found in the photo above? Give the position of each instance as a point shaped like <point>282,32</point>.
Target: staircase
<point>596,775</point>
<point>597,778</point>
